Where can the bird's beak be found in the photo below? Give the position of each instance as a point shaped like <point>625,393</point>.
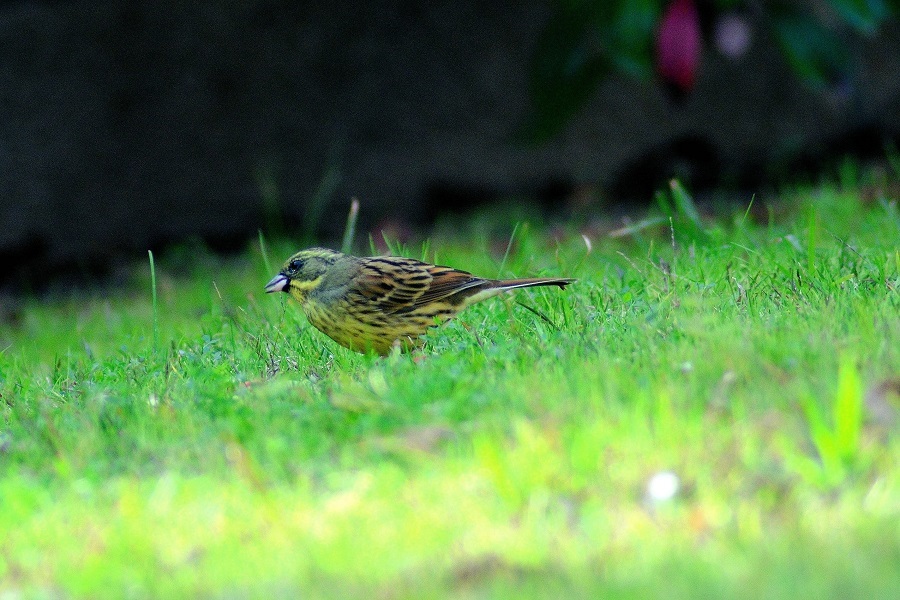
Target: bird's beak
<point>279,283</point>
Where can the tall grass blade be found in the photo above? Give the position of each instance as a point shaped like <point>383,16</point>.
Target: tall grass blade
<point>267,184</point>
<point>684,204</point>
<point>512,237</point>
<point>812,236</point>
<point>847,411</point>
<point>662,200</point>
<point>319,200</point>
<point>264,252</point>
<point>350,227</point>
<point>155,309</point>
<point>747,212</point>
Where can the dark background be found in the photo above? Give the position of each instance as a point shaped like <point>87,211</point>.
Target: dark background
<point>131,125</point>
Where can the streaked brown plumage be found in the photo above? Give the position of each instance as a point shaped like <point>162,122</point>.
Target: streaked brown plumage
<point>382,301</point>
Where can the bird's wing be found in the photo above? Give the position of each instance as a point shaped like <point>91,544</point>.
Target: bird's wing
<point>402,284</point>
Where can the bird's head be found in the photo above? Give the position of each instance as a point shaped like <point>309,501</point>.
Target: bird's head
<point>303,272</point>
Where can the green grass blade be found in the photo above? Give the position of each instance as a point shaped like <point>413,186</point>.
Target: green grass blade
<point>265,253</point>
<point>155,308</point>
<point>350,227</point>
<point>847,410</point>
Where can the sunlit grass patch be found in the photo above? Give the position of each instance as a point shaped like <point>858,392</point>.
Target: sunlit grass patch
<point>710,411</point>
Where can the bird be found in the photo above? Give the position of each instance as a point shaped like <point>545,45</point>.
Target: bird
<point>380,302</point>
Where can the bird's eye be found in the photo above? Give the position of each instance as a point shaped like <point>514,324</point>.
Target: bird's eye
<point>295,266</point>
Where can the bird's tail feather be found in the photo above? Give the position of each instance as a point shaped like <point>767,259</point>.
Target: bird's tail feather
<point>493,287</point>
<point>511,284</point>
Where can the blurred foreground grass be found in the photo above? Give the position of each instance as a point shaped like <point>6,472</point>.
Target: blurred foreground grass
<point>711,411</point>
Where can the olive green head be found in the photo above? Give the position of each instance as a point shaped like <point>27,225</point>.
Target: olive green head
<point>304,272</point>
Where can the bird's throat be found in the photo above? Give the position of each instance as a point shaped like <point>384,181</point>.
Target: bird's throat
<point>299,290</point>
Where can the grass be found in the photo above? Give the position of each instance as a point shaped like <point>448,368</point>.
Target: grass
<point>194,437</point>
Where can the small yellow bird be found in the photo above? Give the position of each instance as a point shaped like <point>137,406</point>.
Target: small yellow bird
<point>378,302</point>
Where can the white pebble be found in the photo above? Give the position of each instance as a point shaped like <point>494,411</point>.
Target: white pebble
<point>663,486</point>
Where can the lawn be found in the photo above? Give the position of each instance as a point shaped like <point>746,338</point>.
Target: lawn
<point>710,411</point>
